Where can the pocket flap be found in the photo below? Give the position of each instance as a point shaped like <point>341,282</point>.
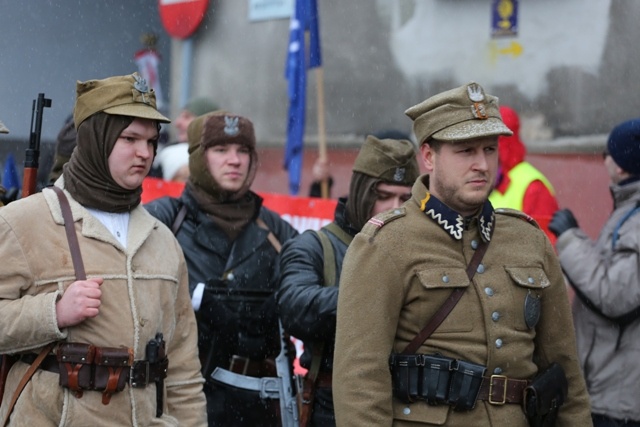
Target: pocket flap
<point>529,277</point>
<point>443,277</point>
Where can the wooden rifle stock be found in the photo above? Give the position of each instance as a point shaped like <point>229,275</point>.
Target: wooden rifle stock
<point>31,160</point>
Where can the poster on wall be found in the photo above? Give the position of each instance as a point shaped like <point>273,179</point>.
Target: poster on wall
<point>504,18</point>
<point>261,10</point>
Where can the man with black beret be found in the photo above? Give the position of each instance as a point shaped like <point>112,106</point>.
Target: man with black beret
<point>448,309</point>
<point>605,274</point>
<point>104,335</point>
<point>383,173</point>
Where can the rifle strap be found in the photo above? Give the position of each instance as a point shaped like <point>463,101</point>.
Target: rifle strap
<point>177,222</point>
<point>271,237</point>
<point>78,267</point>
<point>449,303</point>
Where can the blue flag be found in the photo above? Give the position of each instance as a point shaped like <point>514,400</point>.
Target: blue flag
<point>303,20</point>
<point>10,178</point>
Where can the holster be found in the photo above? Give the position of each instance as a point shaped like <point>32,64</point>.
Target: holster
<point>544,397</point>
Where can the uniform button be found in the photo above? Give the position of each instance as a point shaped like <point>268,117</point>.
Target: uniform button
<point>497,371</point>
<point>406,410</point>
<point>474,244</point>
<point>499,343</point>
<point>481,268</point>
<point>230,276</point>
<point>530,279</point>
<point>495,316</point>
<point>397,211</point>
<point>445,279</point>
<point>488,291</point>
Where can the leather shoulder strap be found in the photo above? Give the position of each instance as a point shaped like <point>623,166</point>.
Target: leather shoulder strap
<point>328,257</point>
<point>271,237</point>
<point>179,219</point>
<point>448,305</point>
<point>72,238</point>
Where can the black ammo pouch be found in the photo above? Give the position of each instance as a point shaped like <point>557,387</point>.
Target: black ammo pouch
<point>436,380</point>
<point>421,377</point>
<point>544,397</point>
<point>465,385</point>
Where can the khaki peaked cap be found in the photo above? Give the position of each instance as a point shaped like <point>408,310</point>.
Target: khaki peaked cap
<point>122,95</point>
<point>390,160</point>
<point>3,128</point>
<point>465,112</point>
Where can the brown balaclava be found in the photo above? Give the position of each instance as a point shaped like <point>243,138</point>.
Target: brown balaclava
<point>391,161</point>
<point>215,129</point>
<point>231,211</point>
<point>103,109</point>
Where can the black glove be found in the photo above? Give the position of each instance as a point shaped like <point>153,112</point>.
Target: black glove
<point>562,221</point>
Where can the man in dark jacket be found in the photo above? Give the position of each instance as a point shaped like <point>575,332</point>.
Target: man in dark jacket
<point>227,238</point>
<point>383,173</point>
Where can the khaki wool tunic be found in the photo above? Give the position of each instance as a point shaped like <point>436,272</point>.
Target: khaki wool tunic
<point>398,272</point>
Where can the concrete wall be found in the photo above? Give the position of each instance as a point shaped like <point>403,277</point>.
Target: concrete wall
<point>570,70</point>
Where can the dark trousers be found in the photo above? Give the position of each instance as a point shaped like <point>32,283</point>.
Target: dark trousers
<point>228,407</point>
<point>323,414</point>
<point>604,421</point>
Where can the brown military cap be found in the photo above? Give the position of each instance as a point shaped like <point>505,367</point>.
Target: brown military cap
<point>219,128</point>
<point>390,160</point>
<point>3,128</point>
<point>123,95</point>
<point>458,114</point>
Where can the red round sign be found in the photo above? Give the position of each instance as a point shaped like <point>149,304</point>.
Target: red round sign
<point>181,17</point>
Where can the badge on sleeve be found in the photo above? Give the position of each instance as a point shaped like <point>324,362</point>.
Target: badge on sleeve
<point>531,310</point>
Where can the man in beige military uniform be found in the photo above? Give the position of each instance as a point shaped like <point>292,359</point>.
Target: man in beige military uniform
<point>513,319</point>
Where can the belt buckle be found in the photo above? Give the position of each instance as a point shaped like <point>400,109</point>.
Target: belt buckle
<point>504,390</point>
<point>237,360</point>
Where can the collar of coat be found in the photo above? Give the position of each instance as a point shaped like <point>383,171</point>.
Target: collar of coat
<point>454,223</point>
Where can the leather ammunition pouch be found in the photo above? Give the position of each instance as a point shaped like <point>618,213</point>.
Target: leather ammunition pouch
<point>544,397</point>
<point>438,380</point>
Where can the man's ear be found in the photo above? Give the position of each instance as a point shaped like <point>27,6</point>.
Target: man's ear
<point>427,153</point>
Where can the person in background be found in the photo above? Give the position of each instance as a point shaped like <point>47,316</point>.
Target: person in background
<point>231,243</point>
<point>395,366</point>
<point>605,275</point>
<point>103,337</point>
<point>176,158</point>
<point>519,185</point>
<point>383,173</point>
<point>65,143</point>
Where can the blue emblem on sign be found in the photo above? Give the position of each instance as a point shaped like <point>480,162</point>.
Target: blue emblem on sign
<point>504,18</point>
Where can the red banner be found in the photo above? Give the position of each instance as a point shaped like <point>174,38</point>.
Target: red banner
<point>302,213</point>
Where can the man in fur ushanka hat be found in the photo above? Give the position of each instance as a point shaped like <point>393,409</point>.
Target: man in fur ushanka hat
<point>231,243</point>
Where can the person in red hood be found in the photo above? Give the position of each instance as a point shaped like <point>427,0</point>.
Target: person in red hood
<point>519,185</point>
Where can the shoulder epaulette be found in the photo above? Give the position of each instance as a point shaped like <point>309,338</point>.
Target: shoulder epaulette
<point>518,214</point>
<point>377,222</point>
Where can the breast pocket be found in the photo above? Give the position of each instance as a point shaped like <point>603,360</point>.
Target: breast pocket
<point>526,295</point>
<point>439,283</point>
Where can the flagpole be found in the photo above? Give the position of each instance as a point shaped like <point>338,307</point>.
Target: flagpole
<point>322,137</point>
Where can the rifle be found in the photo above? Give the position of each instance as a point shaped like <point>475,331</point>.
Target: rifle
<point>33,152</point>
<point>279,387</point>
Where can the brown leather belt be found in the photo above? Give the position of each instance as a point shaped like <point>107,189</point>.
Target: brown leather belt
<point>498,390</point>
<point>252,368</point>
<point>140,375</point>
<point>324,380</point>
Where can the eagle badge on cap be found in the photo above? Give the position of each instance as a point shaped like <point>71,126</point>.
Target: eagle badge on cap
<point>231,125</point>
<point>399,175</point>
<point>475,92</point>
<point>141,86</point>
